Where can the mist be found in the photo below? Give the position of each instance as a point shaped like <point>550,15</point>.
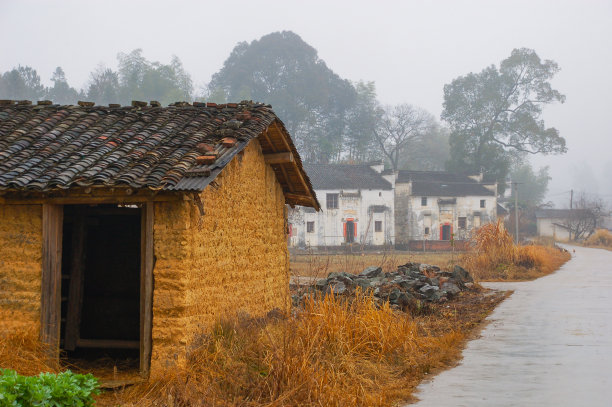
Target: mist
<point>409,49</point>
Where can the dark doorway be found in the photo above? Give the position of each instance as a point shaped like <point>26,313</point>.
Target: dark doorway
<point>446,232</point>
<point>101,280</point>
<point>350,231</point>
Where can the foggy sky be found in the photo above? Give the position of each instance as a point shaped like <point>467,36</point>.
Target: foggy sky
<point>409,48</point>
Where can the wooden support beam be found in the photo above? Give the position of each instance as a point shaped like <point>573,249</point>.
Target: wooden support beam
<point>90,200</point>
<point>75,293</point>
<point>107,343</point>
<point>147,264</point>
<point>51,290</point>
<point>279,158</point>
<point>267,138</point>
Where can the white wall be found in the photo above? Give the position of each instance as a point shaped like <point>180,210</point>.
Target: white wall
<point>547,228</point>
<point>352,204</point>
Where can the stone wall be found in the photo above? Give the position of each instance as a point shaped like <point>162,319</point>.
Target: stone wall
<point>20,265</point>
<point>233,259</point>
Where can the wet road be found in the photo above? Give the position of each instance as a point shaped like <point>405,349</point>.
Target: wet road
<point>549,344</point>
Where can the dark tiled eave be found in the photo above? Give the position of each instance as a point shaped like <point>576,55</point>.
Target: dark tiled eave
<point>50,147</point>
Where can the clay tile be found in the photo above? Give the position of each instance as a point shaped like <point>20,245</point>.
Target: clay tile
<point>138,103</point>
<point>24,102</point>
<point>206,159</point>
<point>228,142</point>
<point>155,103</point>
<point>211,104</point>
<point>5,102</point>
<point>232,105</point>
<point>114,105</point>
<point>199,104</point>
<point>204,148</point>
<point>85,104</point>
<point>44,102</point>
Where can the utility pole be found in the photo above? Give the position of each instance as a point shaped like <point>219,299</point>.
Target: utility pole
<point>516,219</point>
<point>571,199</point>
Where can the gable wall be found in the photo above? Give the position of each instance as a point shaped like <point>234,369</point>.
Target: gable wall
<point>233,259</point>
<point>20,266</point>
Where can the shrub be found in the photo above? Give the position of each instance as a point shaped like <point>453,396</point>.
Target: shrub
<point>47,389</point>
<point>601,238</point>
<point>494,256</point>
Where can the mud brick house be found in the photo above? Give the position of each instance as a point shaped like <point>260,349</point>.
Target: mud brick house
<point>435,206</point>
<point>357,208</point>
<point>134,228</point>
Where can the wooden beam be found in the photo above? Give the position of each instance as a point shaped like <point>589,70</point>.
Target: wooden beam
<point>51,290</point>
<point>279,158</point>
<point>297,169</point>
<point>267,137</point>
<point>89,200</point>
<point>107,343</point>
<point>147,264</point>
<point>75,293</point>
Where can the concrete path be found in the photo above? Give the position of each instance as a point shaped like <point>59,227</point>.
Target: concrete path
<point>549,344</point>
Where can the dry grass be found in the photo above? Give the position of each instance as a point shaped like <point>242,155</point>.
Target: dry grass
<point>321,264</point>
<point>495,257</point>
<point>331,352</point>
<point>602,238</point>
<point>20,348</point>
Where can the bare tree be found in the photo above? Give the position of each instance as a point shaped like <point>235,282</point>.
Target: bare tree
<point>400,126</point>
<point>585,217</point>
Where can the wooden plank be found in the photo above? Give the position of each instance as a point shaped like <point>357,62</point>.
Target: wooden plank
<point>146,288</point>
<point>51,290</point>
<point>279,158</point>
<point>75,294</point>
<point>313,201</point>
<point>89,200</point>
<point>107,343</point>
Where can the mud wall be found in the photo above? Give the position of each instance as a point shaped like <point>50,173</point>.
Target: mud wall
<point>234,259</point>
<point>20,265</point>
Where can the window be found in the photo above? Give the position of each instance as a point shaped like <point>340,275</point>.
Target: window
<point>423,201</point>
<point>426,230</point>
<point>378,226</point>
<point>309,227</point>
<point>483,203</point>
<point>462,222</point>
<point>332,201</point>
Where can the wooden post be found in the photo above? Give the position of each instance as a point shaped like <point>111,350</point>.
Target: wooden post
<point>51,290</point>
<point>75,294</point>
<point>146,288</point>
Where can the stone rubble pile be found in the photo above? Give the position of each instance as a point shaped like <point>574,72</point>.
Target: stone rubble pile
<point>411,281</point>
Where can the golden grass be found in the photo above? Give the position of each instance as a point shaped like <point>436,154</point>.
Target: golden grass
<point>495,257</point>
<point>20,348</point>
<point>602,238</point>
<point>331,352</point>
<point>321,264</point>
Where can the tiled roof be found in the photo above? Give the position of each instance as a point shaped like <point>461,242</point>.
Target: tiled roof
<point>561,213</point>
<point>345,176</point>
<point>440,183</point>
<point>181,147</point>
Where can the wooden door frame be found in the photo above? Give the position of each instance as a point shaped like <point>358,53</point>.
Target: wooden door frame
<point>51,289</point>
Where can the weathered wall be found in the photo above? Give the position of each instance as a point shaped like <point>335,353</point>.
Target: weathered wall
<point>233,259</point>
<point>352,204</point>
<point>20,265</point>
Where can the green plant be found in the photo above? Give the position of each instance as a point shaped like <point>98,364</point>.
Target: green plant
<point>47,389</point>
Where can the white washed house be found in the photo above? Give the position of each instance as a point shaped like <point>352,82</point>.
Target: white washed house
<point>435,205</point>
<point>357,207</point>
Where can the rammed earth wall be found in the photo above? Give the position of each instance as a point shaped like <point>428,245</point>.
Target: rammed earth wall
<point>20,265</point>
<point>233,259</point>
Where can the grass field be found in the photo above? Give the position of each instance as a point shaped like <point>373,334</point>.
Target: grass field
<point>320,264</point>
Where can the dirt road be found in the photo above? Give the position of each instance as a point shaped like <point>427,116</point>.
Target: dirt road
<point>549,344</point>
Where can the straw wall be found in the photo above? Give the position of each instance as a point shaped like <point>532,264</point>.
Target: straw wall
<point>233,259</point>
<point>20,265</point>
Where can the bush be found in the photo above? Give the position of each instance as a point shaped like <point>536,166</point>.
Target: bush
<point>601,238</point>
<point>47,389</point>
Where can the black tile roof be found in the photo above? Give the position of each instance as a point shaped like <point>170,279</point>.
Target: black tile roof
<point>440,183</point>
<point>345,176</point>
<point>52,147</point>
